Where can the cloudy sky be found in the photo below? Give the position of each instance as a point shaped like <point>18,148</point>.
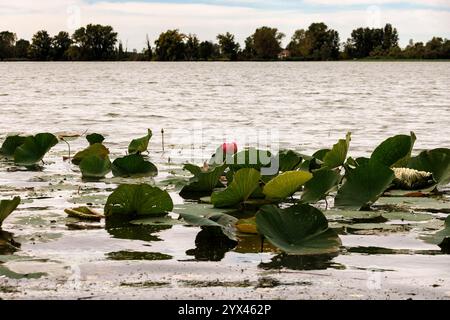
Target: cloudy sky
<point>133,19</point>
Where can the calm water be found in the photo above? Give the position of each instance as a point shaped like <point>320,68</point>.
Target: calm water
<point>310,104</point>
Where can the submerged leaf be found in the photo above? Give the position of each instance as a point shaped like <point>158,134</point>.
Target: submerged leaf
<point>133,164</point>
<point>323,182</point>
<point>34,149</point>
<point>244,184</point>
<point>300,229</point>
<point>130,201</point>
<point>436,161</point>
<point>286,184</point>
<point>395,151</point>
<point>364,185</point>
<point>141,144</point>
<point>7,207</point>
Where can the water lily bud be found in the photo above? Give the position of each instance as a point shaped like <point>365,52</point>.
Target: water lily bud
<point>229,148</point>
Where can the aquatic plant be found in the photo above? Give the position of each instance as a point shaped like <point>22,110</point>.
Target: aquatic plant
<point>34,148</point>
<point>96,149</point>
<point>205,180</point>
<point>132,200</point>
<point>7,207</point>
<point>94,138</point>
<point>10,145</point>
<point>141,144</point>
<point>133,165</point>
<point>94,166</point>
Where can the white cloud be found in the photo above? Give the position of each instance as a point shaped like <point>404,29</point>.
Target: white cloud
<point>379,2</point>
<point>133,20</point>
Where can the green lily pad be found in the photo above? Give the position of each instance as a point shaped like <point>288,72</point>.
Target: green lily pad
<point>34,148</point>
<point>244,184</point>
<point>203,181</point>
<point>133,165</point>
<point>289,160</point>
<point>364,185</point>
<point>94,138</point>
<point>97,149</point>
<point>320,154</point>
<point>286,184</point>
<point>141,144</point>
<point>7,207</point>
<point>441,237</point>
<point>250,158</point>
<point>336,157</point>
<point>222,220</point>
<point>353,216</point>
<point>95,167</point>
<point>10,145</point>
<point>300,229</point>
<point>322,183</point>
<point>395,151</point>
<point>436,161</point>
<point>130,201</point>
<point>419,204</point>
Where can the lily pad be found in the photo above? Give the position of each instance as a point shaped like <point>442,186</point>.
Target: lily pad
<point>289,160</point>
<point>436,161</point>
<point>133,165</point>
<point>247,225</point>
<point>286,184</point>
<point>131,201</point>
<point>300,229</point>
<point>7,207</point>
<point>395,151</point>
<point>250,158</point>
<point>204,181</point>
<point>95,167</point>
<point>419,204</point>
<point>336,157</point>
<point>244,184</point>
<point>364,185</point>
<point>94,138</point>
<point>157,221</point>
<point>322,183</point>
<point>222,220</point>
<point>34,148</point>
<point>141,144</point>
<point>97,149</point>
<point>10,145</point>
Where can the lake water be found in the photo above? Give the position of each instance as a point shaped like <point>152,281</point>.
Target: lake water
<point>305,106</point>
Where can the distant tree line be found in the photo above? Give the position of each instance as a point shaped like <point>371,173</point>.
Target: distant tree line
<point>317,43</point>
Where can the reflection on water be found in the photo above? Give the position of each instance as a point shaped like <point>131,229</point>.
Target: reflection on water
<point>137,255</point>
<point>211,245</point>
<point>126,230</point>
<point>293,262</point>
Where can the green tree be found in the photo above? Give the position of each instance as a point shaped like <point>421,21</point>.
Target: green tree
<point>170,46</point>
<point>206,50</point>
<point>60,44</point>
<point>192,47</point>
<point>249,52</point>
<point>374,42</point>
<point>267,43</point>
<point>7,41</point>
<point>300,45</point>
<point>148,52</point>
<point>95,42</point>
<point>41,43</point>
<point>22,48</point>
<point>229,48</point>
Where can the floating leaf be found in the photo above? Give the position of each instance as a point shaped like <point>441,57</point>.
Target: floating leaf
<point>300,229</point>
<point>140,145</point>
<point>132,165</point>
<point>436,161</point>
<point>7,207</point>
<point>323,182</point>
<point>84,213</point>
<point>440,238</point>
<point>94,138</point>
<point>336,157</point>
<point>395,151</point>
<point>97,149</point>
<point>203,181</point>
<point>286,184</point>
<point>95,167</point>
<point>130,201</point>
<point>244,184</point>
<point>364,185</point>
<point>247,225</point>
<point>34,149</point>
<point>222,220</point>
<point>320,154</point>
<point>252,158</point>
<point>11,143</point>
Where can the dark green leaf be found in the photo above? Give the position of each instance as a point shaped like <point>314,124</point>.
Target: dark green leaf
<point>7,207</point>
<point>436,161</point>
<point>323,182</point>
<point>10,145</point>
<point>95,167</point>
<point>33,150</point>
<point>140,145</point>
<point>94,138</point>
<point>395,151</point>
<point>132,165</point>
<point>97,149</point>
